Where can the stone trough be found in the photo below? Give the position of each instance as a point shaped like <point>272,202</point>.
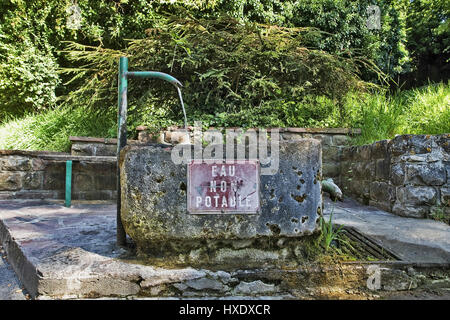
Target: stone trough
<point>155,213</point>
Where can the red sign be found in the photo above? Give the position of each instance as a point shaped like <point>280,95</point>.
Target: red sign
<point>226,187</point>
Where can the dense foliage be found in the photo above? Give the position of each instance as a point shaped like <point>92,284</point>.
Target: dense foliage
<point>243,62</point>
<point>28,69</point>
<point>245,73</point>
<point>38,28</point>
<point>428,34</point>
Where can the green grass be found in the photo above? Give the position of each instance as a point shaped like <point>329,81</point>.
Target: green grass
<point>418,111</point>
<point>329,234</point>
<point>50,130</point>
<point>380,116</point>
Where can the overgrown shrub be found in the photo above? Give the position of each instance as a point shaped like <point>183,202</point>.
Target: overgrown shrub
<point>226,67</point>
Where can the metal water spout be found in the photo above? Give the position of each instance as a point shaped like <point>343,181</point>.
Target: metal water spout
<point>124,74</point>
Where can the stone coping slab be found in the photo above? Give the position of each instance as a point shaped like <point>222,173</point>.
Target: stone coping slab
<point>70,253</point>
<point>351,131</point>
<point>31,153</point>
<point>61,156</point>
<point>98,140</point>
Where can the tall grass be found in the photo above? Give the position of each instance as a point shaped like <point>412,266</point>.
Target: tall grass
<point>380,116</point>
<point>51,129</point>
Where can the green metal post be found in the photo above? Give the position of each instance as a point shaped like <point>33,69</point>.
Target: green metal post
<point>68,183</point>
<point>121,140</point>
<point>122,125</point>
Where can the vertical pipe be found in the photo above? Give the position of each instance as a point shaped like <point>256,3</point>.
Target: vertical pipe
<point>68,183</point>
<point>121,139</point>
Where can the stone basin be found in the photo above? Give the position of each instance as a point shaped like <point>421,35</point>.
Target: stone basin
<point>155,215</point>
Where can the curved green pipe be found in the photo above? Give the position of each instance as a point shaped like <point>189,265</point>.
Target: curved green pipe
<point>155,75</point>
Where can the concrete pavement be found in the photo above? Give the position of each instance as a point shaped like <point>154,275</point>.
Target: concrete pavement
<point>415,240</point>
<point>10,287</point>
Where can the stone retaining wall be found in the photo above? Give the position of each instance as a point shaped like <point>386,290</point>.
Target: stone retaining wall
<point>408,175</point>
<point>41,175</point>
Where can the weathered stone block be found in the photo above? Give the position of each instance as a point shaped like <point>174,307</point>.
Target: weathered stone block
<point>364,170</point>
<point>38,194</point>
<point>105,182</point>
<point>380,149</point>
<point>99,168</point>
<point>341,140</point>
<point>403,210</point>
<point>254,288</point>
<point>363,152</point>
<point>331,169</point>
<point>414,196</point>
<point>293,136</point>
<point>82,149</point>
<point>347,153</point>
<point>395,280</point>
<point>383,168</point>
<point>206,284</point>
<point>54,176</point>
<point>106,150</point>
<point>443,141</point>
<point>346,168</point>
<point>37,164</point>
<point>10,180</point>
<point>433,173</point>
<point>15,163</point>
<point>154,200</point>
<point>331,153</point>
<point>325,139</point>
<point>399,145</point>
<point>369,169</point>
<point>412,144</point>
<point>361,188</point>
<point>445,196</point>
<point>420,143</point>
<point>447,168</point>
<point>82,182</point>
<point>93,149</point>
<point>381,191</point>
<point>397,173</point>
<point>33,180</point>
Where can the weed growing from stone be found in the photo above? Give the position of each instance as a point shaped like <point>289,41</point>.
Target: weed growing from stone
<point>329,234</point>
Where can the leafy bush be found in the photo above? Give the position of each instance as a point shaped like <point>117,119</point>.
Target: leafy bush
<point>28,79</point>
<point>428,33</point>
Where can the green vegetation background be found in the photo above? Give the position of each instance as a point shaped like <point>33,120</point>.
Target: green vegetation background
<point>251,63</point>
